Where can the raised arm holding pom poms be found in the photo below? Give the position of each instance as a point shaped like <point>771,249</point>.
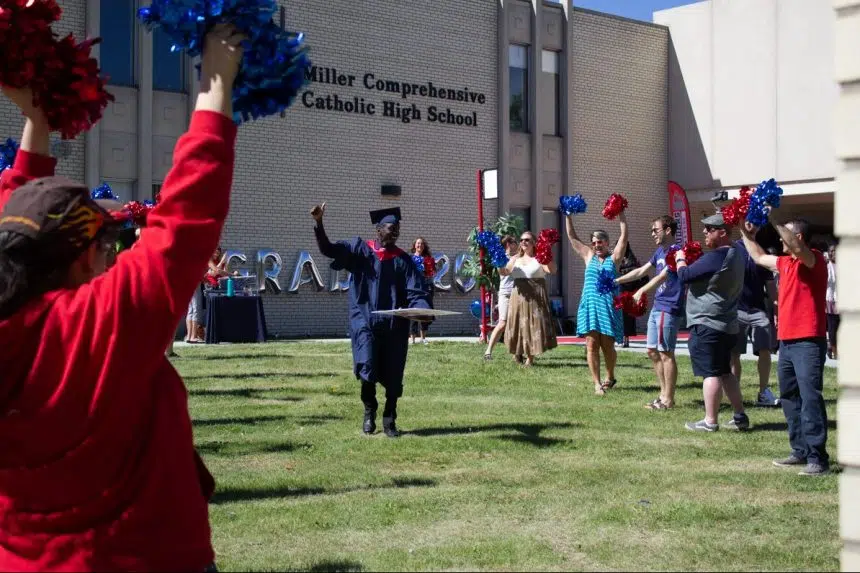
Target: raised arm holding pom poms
<point>597,318</point>
<point>107,426</point>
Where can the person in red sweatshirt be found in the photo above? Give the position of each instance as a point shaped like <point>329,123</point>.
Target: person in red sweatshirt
<point>98,470</point>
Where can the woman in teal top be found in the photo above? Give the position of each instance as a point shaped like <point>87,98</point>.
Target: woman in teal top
<point>597,319</point>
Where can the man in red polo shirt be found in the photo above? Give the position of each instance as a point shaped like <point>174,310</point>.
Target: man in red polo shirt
<point>802,341</point>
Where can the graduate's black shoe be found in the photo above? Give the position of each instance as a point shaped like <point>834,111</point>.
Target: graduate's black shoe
<point>390,428</point>
<point>369,425</point>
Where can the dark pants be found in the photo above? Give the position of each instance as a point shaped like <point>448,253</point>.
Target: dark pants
<point>368,397</point>
<point>801,381</point>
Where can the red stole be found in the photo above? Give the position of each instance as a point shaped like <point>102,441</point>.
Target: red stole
<point>383,253</point>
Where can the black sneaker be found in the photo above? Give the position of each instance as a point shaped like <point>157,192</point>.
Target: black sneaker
<point>790,462</point>
<point>813,470</point>
<point>740,422</point>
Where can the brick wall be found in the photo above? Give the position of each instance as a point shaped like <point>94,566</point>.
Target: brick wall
<point>618,106</point>
<point>847,226</point>
<point>285,166</point>
<point>11,122</point>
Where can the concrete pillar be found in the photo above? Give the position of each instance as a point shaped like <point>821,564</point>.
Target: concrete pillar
<point>92,153</point>
<point>564,79</point>
<point>535,68</point>
<point>504,91</point>
<point>144,115</point>
<point>847,227</point>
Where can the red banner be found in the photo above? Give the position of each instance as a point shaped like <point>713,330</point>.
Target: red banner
<point>680,209</point>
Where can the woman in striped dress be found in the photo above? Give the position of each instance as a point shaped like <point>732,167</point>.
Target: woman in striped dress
<point>597,319</point>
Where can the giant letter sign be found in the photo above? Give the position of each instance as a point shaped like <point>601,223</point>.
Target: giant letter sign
<point>305,260</point>
<point>469,283</point>
<point>269,277</point>
<point>443,265</point>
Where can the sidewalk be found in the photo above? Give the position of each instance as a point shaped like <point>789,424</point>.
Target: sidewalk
<point>637,344</point>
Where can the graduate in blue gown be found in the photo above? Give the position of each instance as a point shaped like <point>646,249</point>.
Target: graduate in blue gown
<point>383,278</point>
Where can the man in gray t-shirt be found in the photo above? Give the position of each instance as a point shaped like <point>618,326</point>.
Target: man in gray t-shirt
<point>714,286</point>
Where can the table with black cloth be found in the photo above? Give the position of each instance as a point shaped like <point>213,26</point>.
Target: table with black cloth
<point>234,319</point>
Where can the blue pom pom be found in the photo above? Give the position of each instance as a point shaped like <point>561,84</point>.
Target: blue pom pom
<point>767,194</point>
<point>606,282</point>
<point>275,60</point>
<point>103,191</point>
<point>572,204</point>
<point>490,242</point>
<point>419,263</point>
<point>8,151</point>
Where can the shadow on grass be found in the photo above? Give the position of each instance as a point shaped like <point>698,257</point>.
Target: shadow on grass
<point>243,393</point>
<point>245,376</point>
<point>229,495</point>
<point>310,420</point>
<point>526,433</point>
<point>235,357</point>
<point>247,448</point>
<point>326,566</point>
<point>252,421</point>
<point>782,426</point>
<point>541,364</point>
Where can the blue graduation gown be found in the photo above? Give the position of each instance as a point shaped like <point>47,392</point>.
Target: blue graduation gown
<point>379,343</point>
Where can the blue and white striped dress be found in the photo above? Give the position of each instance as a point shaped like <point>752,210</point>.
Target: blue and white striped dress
<point>597,311</point>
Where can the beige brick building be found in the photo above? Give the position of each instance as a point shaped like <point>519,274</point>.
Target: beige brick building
<point>847,145</point>
<point>562,100</point>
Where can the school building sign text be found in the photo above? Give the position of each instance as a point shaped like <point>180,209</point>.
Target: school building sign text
<point>400,105</point>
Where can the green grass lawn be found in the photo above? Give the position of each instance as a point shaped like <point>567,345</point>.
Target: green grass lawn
<point>499,468</point>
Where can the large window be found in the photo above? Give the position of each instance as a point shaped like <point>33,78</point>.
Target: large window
<point>119,44</point>
<point>519,87</point>
<point>552,91</point>
<point>168,68</point>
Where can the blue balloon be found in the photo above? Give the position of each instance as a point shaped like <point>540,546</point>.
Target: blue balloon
<point>475,307</point>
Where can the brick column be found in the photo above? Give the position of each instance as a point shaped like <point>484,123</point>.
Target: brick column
<point>847,227</point>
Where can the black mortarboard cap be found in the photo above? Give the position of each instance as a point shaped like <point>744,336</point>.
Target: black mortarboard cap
<point>383,216</point>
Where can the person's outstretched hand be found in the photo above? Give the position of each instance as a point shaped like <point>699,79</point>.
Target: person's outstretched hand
<point>36,135</point>
<point>317,213</point>
<point>222,56</point>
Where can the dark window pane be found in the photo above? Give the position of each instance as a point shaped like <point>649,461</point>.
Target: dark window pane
<point>550,63</point>
<point>117,48</point>
<point>167,67</point>
<point>519,87</point>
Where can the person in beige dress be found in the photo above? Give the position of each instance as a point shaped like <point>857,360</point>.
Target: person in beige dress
<point>530,330</point>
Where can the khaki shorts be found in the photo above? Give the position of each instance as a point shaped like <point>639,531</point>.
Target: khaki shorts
<point>758,326</point>
<point>504,301</point>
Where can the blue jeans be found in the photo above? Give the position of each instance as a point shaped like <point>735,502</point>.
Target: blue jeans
<point>801,381</point>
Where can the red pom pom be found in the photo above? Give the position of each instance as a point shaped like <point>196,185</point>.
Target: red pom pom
<point>615,205</point>
<point>692,251</point>
<point>27,40</point>
<point>543,247</point>
<point>210,280</point>
<point>625,302</point>
<point>549,235</point>
<point>736,211</point>
<point>429,267</point>
<point>138,212</point>
<point>74,96</point>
